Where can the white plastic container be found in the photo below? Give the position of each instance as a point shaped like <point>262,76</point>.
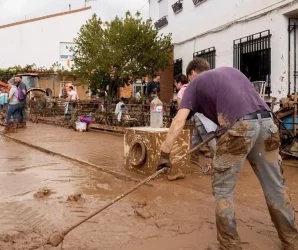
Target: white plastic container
<point>81,126</point>
<point>156,113</point>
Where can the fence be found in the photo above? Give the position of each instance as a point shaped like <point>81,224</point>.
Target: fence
<point>53,111</point>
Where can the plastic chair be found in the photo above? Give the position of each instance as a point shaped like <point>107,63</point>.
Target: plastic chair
<point>260,87</point>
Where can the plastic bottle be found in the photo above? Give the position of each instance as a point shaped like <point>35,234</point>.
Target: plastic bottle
<point>156,113</point>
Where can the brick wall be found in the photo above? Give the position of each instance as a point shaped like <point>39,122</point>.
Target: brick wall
<point>167,82</point>
<point>47,82</point>
<point>126,91</point>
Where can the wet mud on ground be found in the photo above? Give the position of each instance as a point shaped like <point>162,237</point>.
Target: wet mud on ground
<point>41,193</point>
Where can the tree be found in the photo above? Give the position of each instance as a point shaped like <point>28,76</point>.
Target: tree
<point>120,50</point>
<point>136,47</point>
<point>89,52</point>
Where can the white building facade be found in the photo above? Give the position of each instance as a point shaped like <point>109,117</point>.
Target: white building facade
<point>259,37</point>
<point>42,41</point>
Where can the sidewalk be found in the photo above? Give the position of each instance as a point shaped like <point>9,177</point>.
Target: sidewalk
<point>99,149</point>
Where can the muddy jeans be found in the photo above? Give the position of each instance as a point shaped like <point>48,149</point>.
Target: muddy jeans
<point>12,110</point>
<point>258,141</point>
<point>22,112</point>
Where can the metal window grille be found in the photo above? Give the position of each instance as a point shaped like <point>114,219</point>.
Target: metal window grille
<point>292,57</point>
<point>161,23</point>
<point>178,66</point>
<point>178,6</point>
<point>208,54</point>
<point>196,2</point>
<point>252,56</point>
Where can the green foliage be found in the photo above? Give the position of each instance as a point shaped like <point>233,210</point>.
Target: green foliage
<point>136,46</point>
<point>117,51</point>
<point>56,68</point>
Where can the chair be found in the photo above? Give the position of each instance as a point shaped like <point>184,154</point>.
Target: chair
<point>260,87</point>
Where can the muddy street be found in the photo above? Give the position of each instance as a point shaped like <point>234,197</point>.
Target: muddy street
<point>42,193</point>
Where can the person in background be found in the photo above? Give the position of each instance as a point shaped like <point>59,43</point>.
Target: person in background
<point>73,96</point>
<point>181,84</point>
<point>13,108</point>
<point>138,95</point>
<point>3,100</point>
<point>153,87</point>
<point>203,127</point>
<point>21,85</point>
<point>120,109</point>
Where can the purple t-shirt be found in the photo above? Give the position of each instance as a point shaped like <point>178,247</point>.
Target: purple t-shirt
<point>224,95</point>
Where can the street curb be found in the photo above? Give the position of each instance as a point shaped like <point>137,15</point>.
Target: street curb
<point>105,170</point>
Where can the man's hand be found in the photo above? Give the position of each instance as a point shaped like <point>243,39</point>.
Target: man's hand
<point>175,130</point>
<point>164,161</point>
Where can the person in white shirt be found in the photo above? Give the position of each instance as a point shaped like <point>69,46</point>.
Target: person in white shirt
<point>120,109</point>
<point>73,95</point>
<point>138,95</point>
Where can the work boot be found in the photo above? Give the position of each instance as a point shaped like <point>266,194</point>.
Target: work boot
<point>14,129</point>
<point>231,247</point>
<point>6,130</point>
<point>291,246</point>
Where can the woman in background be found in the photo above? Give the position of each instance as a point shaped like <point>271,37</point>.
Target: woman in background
<point>181,84</point>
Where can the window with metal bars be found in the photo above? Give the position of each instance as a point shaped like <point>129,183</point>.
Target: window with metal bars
<point>207,54</point>
<point>178,6</point>
<point>252,56</point>
<point>292,56</point>
<point>178,63</point>
<point>161,23</point>
<point>197,2</point>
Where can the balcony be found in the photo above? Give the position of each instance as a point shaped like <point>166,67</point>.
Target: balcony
<point>198,2</point>
<point>177,7</point>
<point>161,23</point>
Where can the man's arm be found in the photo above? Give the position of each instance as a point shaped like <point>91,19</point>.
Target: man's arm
<point>117,109</point>
<point>175,130</point>
<point>11,93</point>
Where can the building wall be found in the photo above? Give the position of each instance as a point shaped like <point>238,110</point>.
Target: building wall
<point>53,82</point>
<point>39,41</point>
<point>126,91</point>
<point>195,21</point>
<point>207,15</point>
<point>167,82</point>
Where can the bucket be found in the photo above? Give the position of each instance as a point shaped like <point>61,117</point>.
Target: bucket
<point>289,119</point>
<point>81,126</point>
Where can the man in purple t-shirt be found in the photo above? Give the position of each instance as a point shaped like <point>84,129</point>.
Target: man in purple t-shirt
<point>246,130</point>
